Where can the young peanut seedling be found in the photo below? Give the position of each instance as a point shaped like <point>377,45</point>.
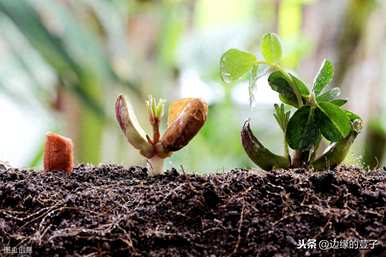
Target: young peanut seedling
<point>318,113</point>
<point>185,118</point>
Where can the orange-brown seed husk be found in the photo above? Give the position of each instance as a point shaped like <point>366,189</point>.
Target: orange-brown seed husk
<point>186,125</point>
<point>58,153</point>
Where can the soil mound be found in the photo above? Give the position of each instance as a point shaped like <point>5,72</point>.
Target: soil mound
<point>110,210</point>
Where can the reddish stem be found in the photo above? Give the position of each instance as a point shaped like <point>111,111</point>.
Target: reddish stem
<point>156,132</point>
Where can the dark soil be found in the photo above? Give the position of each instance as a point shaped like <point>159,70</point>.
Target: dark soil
<point>113,211</point>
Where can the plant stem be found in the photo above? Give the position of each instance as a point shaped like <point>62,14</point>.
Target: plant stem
<point>315,150</point>
<point>300,158</point>
<point>286,150</point>
<point>156,132</point>
<point>155,165</point>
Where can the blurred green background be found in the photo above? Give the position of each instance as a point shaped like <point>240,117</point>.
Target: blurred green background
<point>63,62</point>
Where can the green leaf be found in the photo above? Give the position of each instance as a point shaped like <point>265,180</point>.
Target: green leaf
<point>234,64</point>
<point>279,83</point>
<point>329,95</point>
<point>270,47</point>
<point>324,77</point>
<point>281,116</point>
<point>300,85</point>
<point>334,123</point>
<point>302,130</point>
<point>352,116</point>
<point>339,102</point>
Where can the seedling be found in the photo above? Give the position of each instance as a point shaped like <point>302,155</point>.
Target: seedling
<point>185,118</point>
<point>58,153</point>
<point>318,112</point>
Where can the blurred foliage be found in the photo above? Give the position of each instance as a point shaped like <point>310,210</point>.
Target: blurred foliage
<point>78,61</point>
<point>290,17</point>
<point>375,146</point>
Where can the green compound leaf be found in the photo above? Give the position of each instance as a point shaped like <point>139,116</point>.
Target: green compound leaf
<point>270,47</point>
<point>339,102</point>
<point>281,83</point>
<point>324,77</point>
<point>333,121</point>
<point>234,64</point>
<point>329,95</point>
<point>303,130</point>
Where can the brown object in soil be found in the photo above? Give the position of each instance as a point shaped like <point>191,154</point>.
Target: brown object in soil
<point>58,153</point>
<point>113,211</point>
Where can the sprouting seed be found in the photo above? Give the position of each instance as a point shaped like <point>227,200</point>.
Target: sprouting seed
<point>185,118</point>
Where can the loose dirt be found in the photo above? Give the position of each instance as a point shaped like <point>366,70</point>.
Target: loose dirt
<point>110,210</point>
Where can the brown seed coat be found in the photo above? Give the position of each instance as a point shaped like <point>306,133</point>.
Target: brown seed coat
<point>58,153</point>
<point>185,126</point>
